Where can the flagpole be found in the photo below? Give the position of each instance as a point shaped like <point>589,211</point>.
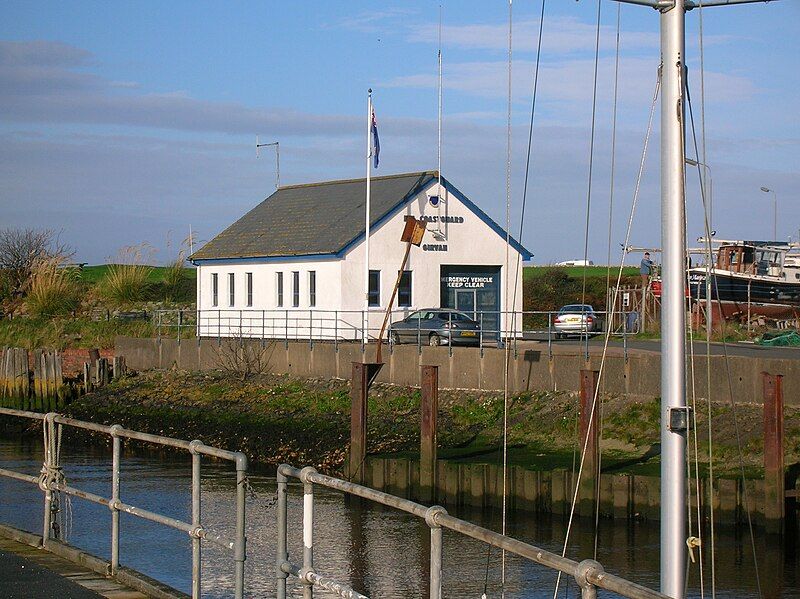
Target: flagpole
<point>439,140</point>
<point>366,244</point>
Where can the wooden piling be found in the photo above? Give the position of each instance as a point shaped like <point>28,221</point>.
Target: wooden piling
<point>589,442</point>
<point>87,377</point>
<point>358,422</point>
<point>774,491</point>
<point>428,433</point>
<point>119,368</point>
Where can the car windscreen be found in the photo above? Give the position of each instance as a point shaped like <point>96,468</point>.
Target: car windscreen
<point>575,309</point>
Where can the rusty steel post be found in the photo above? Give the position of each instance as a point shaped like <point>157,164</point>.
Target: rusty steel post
<point>589,420</point>
<point>358,422</point>
<point>774,492</point>
<point>428,433</point>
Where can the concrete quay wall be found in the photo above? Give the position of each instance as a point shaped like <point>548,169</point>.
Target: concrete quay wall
<point>530,369</point>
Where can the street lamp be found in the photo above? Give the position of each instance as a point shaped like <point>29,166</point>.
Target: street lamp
<point>692,162</point>
<point>775,211</point>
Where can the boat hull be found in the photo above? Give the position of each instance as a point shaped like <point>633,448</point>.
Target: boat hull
<point>739,294</point>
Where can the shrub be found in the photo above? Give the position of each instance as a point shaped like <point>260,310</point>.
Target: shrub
<point>51,289</point>
<point>127,281</point>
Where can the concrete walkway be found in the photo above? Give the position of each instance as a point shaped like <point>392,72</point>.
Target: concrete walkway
<point>30,573</point>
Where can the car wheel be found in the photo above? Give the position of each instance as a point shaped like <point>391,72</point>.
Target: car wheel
<point>394,338</point>
<point>434,340</point>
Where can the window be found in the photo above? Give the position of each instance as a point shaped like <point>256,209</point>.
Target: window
<point>249,284</point>
<point>374,293</point>
<point>312,288</point>
<point>231,290</point>
<point>214,289</point>
<point>279,289</point>
<point>404,291</point>
<point>295,289</point>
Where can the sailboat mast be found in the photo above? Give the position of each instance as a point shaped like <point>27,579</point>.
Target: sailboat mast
<point>673,305</point>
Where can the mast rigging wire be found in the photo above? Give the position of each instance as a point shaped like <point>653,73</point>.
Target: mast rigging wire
<point>625,247</point>
<point>608,259</point>
<point>709,300</point>
<point>745,494</point>
<point>507,347</point>
<point>591,155</point>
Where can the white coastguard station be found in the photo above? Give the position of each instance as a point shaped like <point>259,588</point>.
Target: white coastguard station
<point>294,266</point>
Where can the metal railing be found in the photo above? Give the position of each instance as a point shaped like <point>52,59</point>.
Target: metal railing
<point>589,574</point>
<point>52,481</point>
<point>496,328</point>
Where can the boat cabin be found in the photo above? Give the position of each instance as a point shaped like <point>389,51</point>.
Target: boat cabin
<point>755,258</point>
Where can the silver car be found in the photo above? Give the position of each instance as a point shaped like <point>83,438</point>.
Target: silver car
<point>577,319</point>
<point>436,326</point>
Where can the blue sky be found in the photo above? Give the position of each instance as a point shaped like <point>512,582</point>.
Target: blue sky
<point>124,123</point>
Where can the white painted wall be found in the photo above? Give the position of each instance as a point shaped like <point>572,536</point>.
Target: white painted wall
<point>340,297</point>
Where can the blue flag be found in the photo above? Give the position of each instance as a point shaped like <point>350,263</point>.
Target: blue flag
<point>376,144</point>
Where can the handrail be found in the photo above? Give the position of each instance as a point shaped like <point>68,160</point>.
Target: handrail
<point>589,574</point>
<point>52,481</point>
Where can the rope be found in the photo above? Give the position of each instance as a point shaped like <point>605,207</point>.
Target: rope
<point>608,329</point>
<point>507,263</point>
<point>51,476</point>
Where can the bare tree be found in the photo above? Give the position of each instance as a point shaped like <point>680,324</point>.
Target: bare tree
<point>22,249</point>
<point>243,356</point>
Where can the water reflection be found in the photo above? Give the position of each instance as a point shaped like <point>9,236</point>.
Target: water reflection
<point>378,551</point>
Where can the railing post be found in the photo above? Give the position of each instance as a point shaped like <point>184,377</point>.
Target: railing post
<point>584,569</point>
<point>240,550</point>
<point>436,550</point>
<point>308,531</point>
<point>428,433</point>
<point>286,326</point>
<point>336,331</point>
<point>310,329</point>
<point>589,439</point>
<point>774,491</point>
<point>283,553</point>
<point>196,520</point>
<point>550,335</point>
<point>115,468</point>
<point>480,333</point>
<point>363,330</point>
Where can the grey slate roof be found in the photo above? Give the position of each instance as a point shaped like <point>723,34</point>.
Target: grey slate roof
<point>311,219</point>
<point>319,218</point>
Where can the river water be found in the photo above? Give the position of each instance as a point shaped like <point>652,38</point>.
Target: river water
<point>379,551</point>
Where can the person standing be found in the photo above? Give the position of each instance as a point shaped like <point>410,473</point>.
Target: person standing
<point>646,269</point>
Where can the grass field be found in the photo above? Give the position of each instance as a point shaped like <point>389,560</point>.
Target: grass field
<point>92,274</point>
<point>576,272</point>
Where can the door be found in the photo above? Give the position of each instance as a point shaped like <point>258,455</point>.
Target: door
<point>465,301</point>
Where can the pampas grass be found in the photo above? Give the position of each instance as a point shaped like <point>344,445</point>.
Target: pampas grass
<point>51,289</point>
<point>126,282</point>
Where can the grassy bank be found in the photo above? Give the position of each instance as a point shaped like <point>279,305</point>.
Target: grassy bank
<point>64,332</point>
<point>276,419</point>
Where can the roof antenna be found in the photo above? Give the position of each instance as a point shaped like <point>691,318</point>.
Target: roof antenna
<point>277,159</point>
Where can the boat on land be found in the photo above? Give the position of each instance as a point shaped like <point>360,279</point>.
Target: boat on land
<point>751,277</point>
